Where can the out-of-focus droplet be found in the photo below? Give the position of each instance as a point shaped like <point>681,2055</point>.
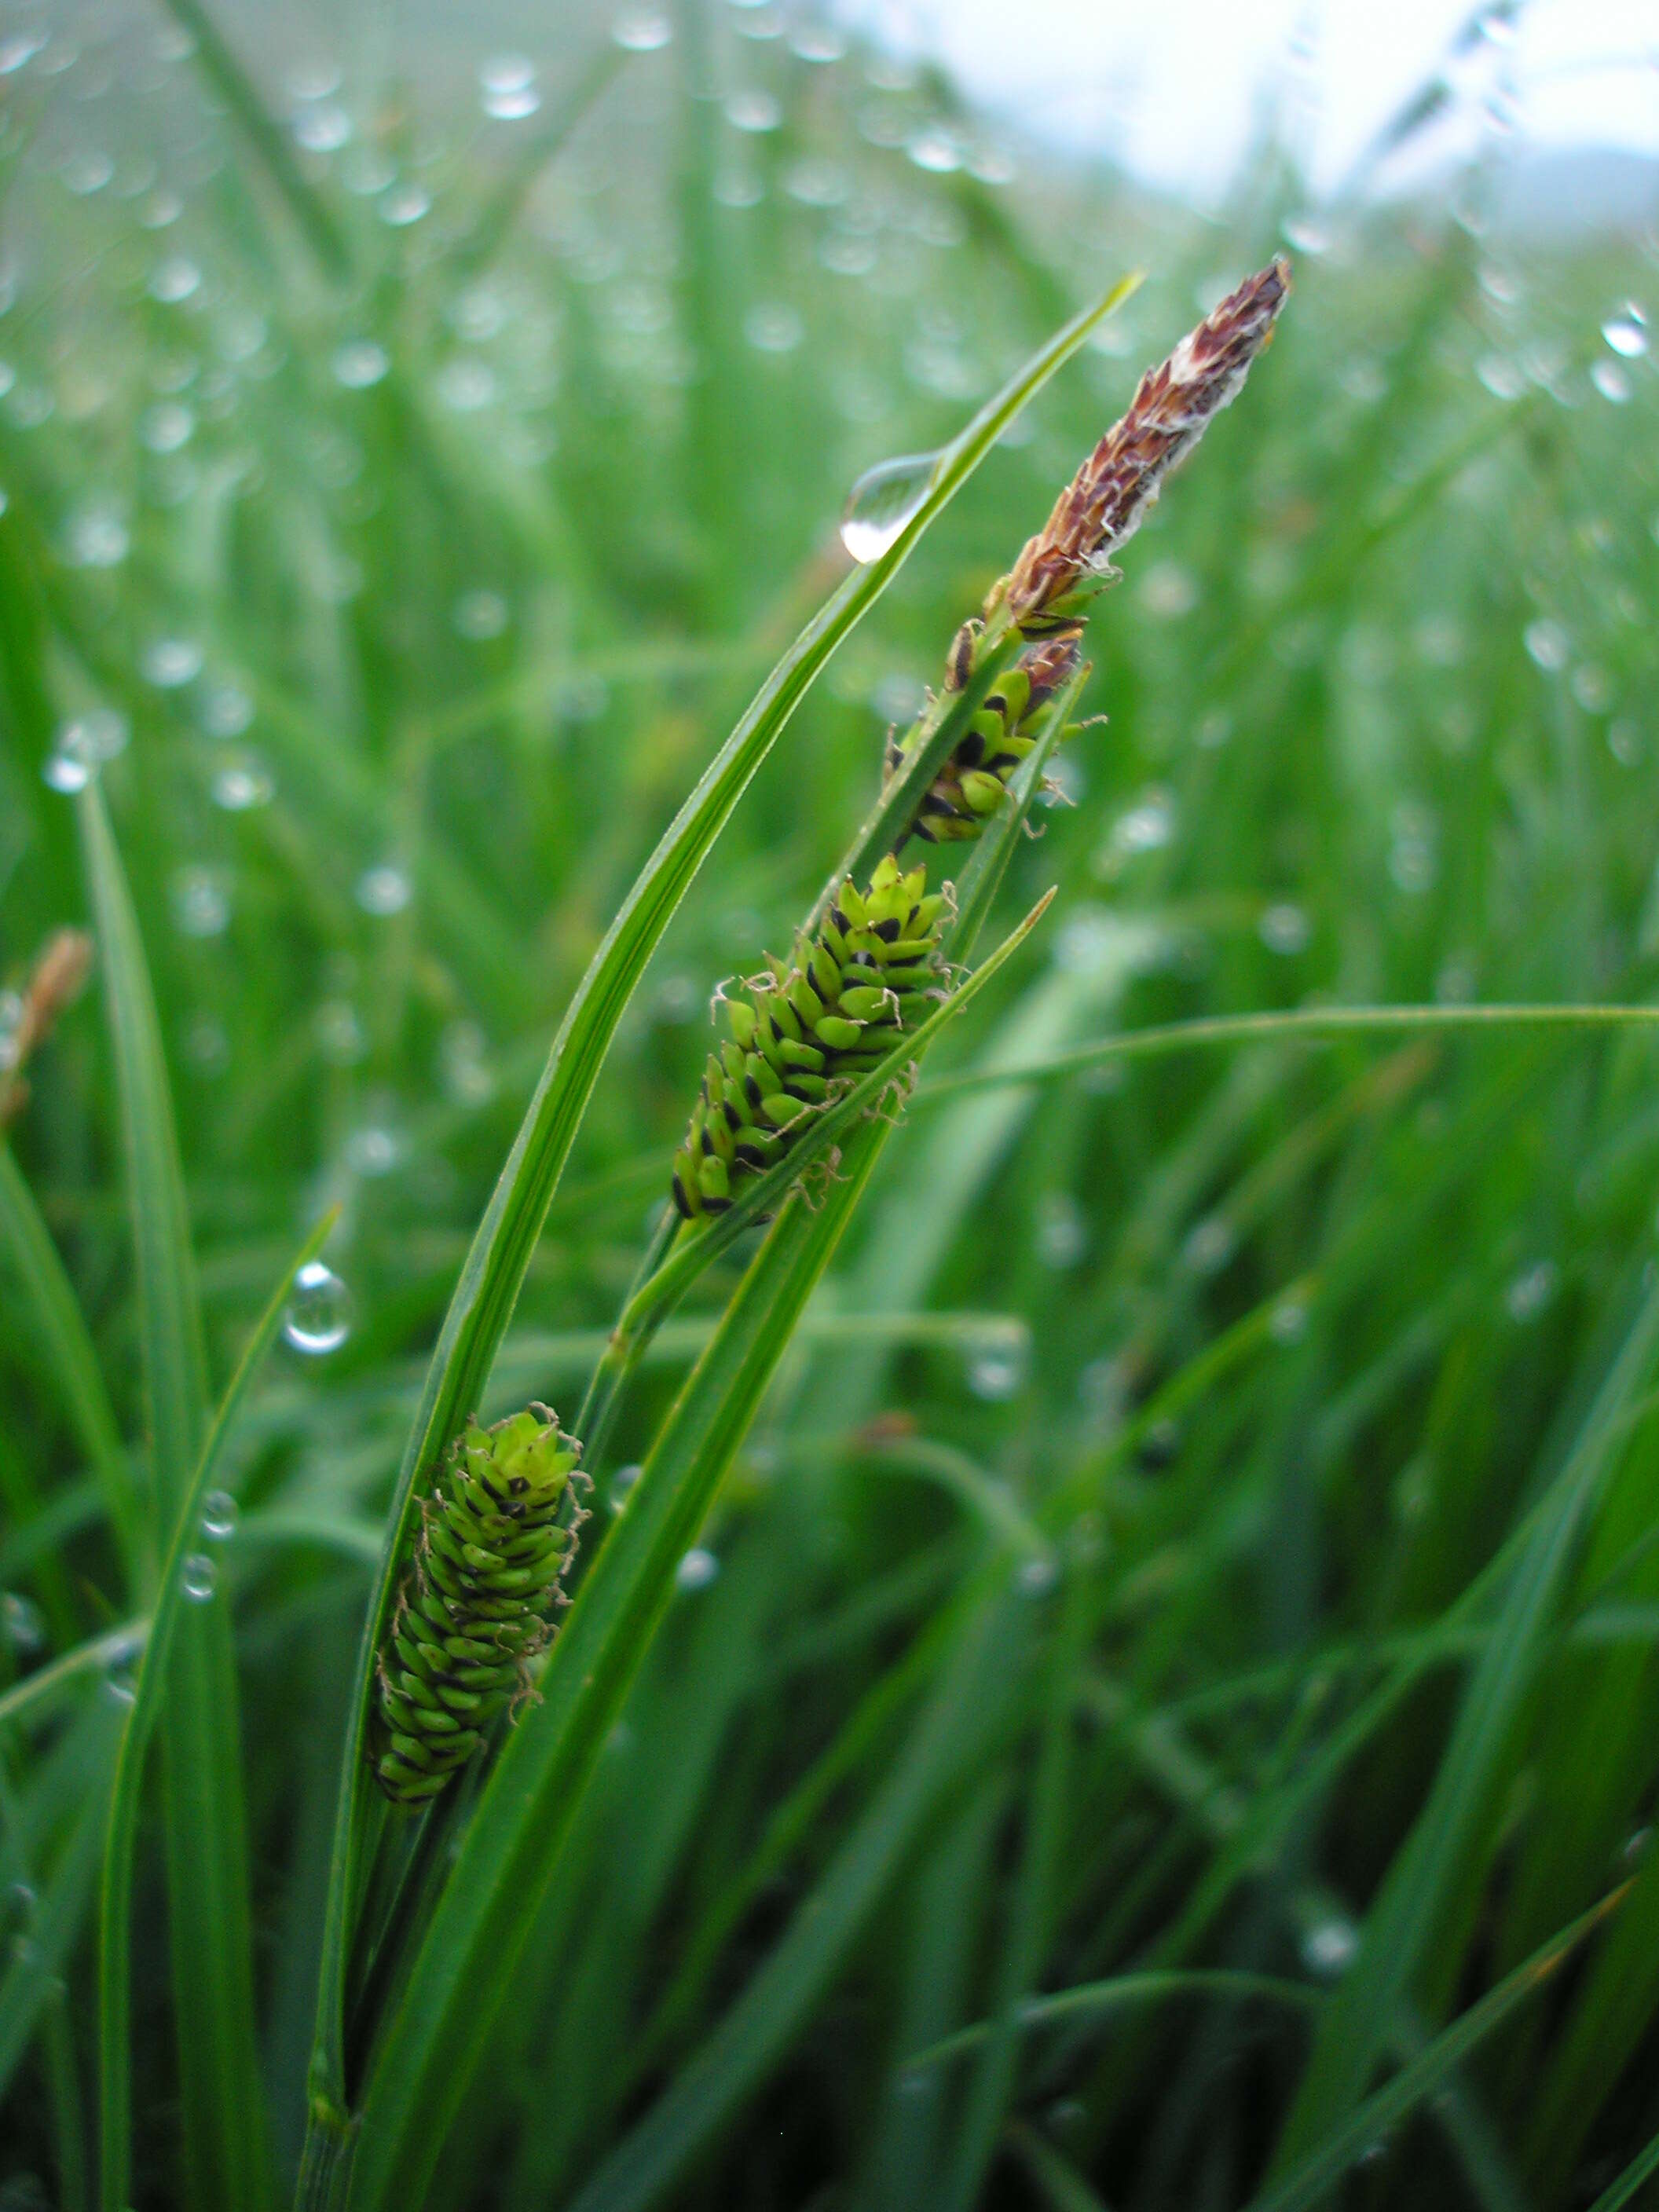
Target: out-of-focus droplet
<point>359,364</point>
<point>882,502</point>
<point>199,1577</point>
<point>170,663</point>
<point>21,1621</point>
<point>383,890</point>
<point>1547,645</point>
<point>642,30</point>
<point>697,1568</point>
<point>219,1517</point>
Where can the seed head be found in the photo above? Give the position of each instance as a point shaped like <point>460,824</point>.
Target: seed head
<point>1106,501</point>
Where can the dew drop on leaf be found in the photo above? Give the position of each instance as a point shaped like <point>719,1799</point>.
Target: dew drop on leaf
<point>882,502</point>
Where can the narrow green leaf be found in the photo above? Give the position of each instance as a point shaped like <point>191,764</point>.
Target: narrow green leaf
<point>1402,1917</point>
<point>209,1922</point>
<point>1313,1023</point>
<point>231,81</point>
<point>1127,1993</point>
<point>1309,2182</point>
<point>760,2026</point>
<point>115,1913</point>
<point>61,1333</point>
<point>495,1268</point>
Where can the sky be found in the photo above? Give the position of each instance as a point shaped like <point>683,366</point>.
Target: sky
<point>1172,90</point>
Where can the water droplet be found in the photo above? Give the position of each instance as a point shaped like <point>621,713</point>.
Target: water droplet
<point>360,362</point>
<point>622,1485</point>
<point>16,51</point>
<point>996,1373</point>
<point>1061,1236</point>
<point>404,204</point>
<point>466,385</point>
<point>1328,1947</point>
<point>383,890</point>
<point>753,110</point>
<point>170,663</point>
<point>506,84</point>
<point>71,765</point>
<point>697,1568</point>
<point>165,428</point>
<point>1626,332</point>
<point>882,502</point>
<point>642,30</point>
<point>339,1032</point>
<point>934,149</point>
<point>1306,233</point>
<point>1611,381</point>
<point>480,615</point>
<point>1547,645</point>
<point>772,327</point>
<point>95,536</point>
<point>226,710</point>
<point>1531,1291</point>
<point>173,280</point>
<point>219,1516</point>
<point>1504,377</point>
<point>467,1077</point>
<point>816,43</point>
<point>242,785</point>
<point>199,1577</point>
<point>319,1315</point>
<point>322,130</point>
<point>21,1621</point>
<point>1289,1321</point>
<point>200,901</point>
<point>1168,590</point>
<point>372,1150</point>
<point>1625,741</point>
<point>1592,687</point>
<point>1209,1245</point>
<point>1038,1576</point>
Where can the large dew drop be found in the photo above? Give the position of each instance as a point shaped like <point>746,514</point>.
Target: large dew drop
<point>319,1317</point>
<point>882,502</point>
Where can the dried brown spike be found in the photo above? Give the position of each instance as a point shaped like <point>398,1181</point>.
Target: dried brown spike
<point>1106,500</point>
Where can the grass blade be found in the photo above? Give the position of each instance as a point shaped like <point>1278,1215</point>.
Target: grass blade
<point>1309,2182</point>
<point>61,1333</point>
<point>206,1840</point>
<point>1402,1919</point>
<point>490,1278</point>
<point>115,1912</point>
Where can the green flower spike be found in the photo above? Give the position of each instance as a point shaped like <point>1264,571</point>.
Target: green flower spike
<point>800,1035</point>
<point>476,1605</point>
<point>972,784</point>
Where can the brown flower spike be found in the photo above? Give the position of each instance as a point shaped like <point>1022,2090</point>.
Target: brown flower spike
<point>1106,501</point>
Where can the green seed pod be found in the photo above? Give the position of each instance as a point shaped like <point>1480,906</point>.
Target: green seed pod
<point>968,789</point>
<point>476,1603</point>
<point>809,1028</point>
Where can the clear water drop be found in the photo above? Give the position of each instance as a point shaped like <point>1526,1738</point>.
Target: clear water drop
<point>322,130</point>
<point>219,1517</point>
<point>383,890</point>
<point>882,502</point>
<point>170,663</point>
<point>243,785</point>
<point>359,364</point>
<point>771,326</point>
<point>199,1577</point>
<point>200,901</point>
<point>480,615</point>
<point>68,769</point>
<point>1328,1947</point>
<point>1626,332</point>
<point>697,1568</point>
<point>752,110</point>
<point>95,536</point>
<point>319,1315</point>
<point>1306,233</point>
<point>173,280</point>
<point>642,30</point>
<point>622,1485</point>
<point>1531,1291</point>
<point>1038,1576</point>
<point>22,1622</point>
<point>404,204</point>
<point>995,1374</point>
<point>1612,382</point>
<point>1284,929</point>
<point>1547,645</point>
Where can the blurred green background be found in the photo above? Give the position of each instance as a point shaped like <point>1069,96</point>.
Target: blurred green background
<point>406,481</point>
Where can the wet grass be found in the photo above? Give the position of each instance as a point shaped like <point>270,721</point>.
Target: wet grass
<point>1130,1679</point>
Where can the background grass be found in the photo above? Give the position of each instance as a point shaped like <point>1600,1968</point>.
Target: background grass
<point>1177,1646</point>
